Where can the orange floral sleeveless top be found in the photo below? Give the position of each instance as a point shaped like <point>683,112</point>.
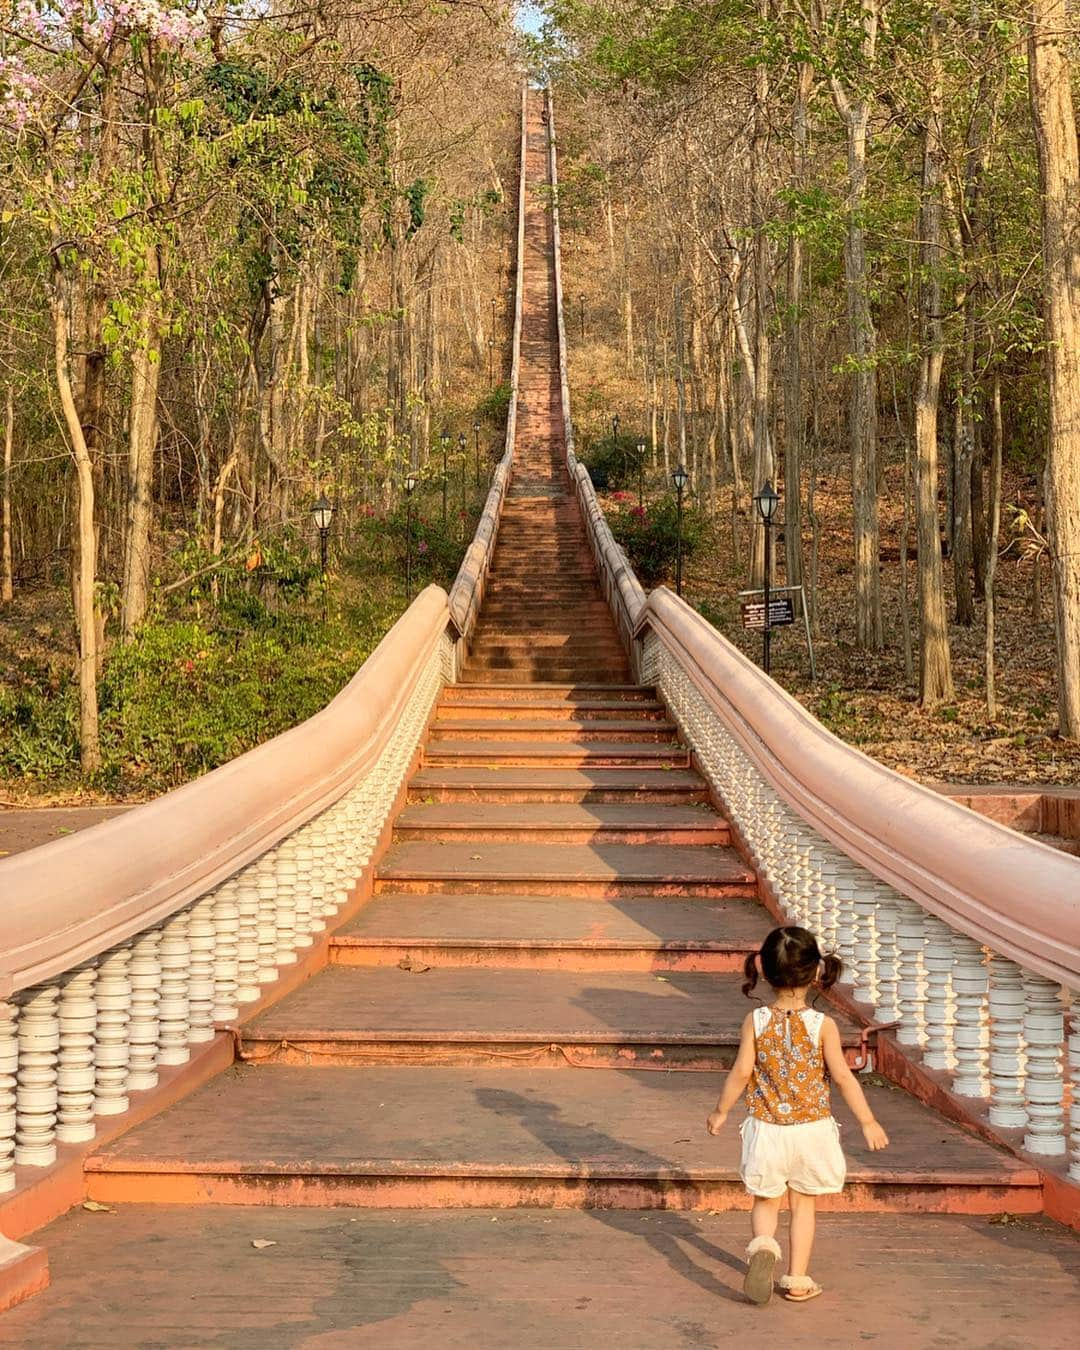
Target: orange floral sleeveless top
<point>789,1085</point>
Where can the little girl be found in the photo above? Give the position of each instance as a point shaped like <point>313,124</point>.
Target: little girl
<point>790,1142</point>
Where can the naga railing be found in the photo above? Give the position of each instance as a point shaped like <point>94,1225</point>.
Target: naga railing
<point>130,943</point>
<point>959,933</point>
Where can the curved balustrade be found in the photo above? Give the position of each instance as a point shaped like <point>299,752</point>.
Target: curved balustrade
<point>960,932</point>
<point>123,946</point>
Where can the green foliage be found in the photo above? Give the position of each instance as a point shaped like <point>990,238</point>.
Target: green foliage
<point>613,461</point>
<point>650,537</point>
<point>494,406</point>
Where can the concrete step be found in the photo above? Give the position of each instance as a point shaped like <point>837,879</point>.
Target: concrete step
<point>551,673</point>
<point>468,1138</point>
<point>557,824</point>
<point>551,730</point>
<point>594,754</point>
<point>466,692</point>
<point>508,1018</point>
<point>606,871</point>
<point>545,933</point>
<point>446,783</point>
<point>550,709</point>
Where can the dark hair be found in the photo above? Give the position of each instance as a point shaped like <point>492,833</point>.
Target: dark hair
<point>790,958</point>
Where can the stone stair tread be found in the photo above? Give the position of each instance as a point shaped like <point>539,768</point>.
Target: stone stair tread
<point>447,749</point>
<point>567,862</point>
<point>556,815</point>
<point>559,725</point>
<point>528,1006</point>
<point>546,921</point>
<point>456,1122</point>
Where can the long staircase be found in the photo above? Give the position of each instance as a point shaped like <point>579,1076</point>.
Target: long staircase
<point>535,1008</point>
<point>561,898</point>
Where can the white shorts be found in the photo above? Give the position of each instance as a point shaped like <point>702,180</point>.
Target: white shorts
<point>807,1157</point>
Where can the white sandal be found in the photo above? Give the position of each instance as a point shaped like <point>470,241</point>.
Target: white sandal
<point>799,1288</point>
<point>761,1258</point>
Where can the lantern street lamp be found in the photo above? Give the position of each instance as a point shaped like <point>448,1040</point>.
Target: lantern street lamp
<point>444,441</point>
<point>411,482</point>
<point>491,360</point>
<point>581,302</point>
<point>476,447</point>
<point>680,478</point>
<point>462,445</point>
<point>494,319</point>
<point>766,502</point>
<point>641,475</point>
<point>615,442</point>
<point>322,513</point>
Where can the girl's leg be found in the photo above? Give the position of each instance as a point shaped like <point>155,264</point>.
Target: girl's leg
<point>765,1216</point>
<point>803,1215</point>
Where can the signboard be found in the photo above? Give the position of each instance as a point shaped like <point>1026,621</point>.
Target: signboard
<point>781,613</point>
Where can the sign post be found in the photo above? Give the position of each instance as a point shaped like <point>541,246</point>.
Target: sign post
<point>776,609</point>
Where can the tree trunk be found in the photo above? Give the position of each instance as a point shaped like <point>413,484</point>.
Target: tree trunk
<point>86,578</point>
<point>7,578</point>
<point>993,527</point>
<point>935,666</point>
<point>1059,173</point>
<point>862,338</point>
<point>793,335</point>
<point>142,442</point>
<point>764,469</point>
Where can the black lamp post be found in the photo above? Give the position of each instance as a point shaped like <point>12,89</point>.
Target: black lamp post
<point>411,480</point>
<point>680,478</point>
<point>462,444</point>
<point>581,302</point>
<point>766,501</point>
<point>322,513</point>
<point>641,475</point>
<point>444,441</point>
<point>494,320</point>
<point>615,442</point>
<point>491,360</point>
<point>476,447</point>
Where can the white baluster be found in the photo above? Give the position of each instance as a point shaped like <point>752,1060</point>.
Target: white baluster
<point>264,880</point>
<point>938,963</point>
<point>35,1091</point>
<point>1044,1032</point>
<point>911,946</point>
<point>864,946</point>
<point>75,1074</point>
<point>144,972</point>
<point>9,1067</point>
<point>887,1001</point>
<point>247,937</point>
<point>283,866</point>
<point>112,1049</point>
<point>970,983</point>
<point>174,954</point>
<point>226,917</point>
<point>201,936</point>
<point>1007,1057</point>
<point>847,886</point>
<point>307,923</point>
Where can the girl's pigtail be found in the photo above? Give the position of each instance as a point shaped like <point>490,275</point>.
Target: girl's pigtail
<point>750,971</point>
<point>831,967</point>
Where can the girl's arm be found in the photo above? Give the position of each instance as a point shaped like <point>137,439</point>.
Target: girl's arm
<point>737,1077</point>
<point>849,1087</point>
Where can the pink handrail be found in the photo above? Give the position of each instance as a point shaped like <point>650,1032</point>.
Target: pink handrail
<point>71,899</point>
<point>1015,895</point>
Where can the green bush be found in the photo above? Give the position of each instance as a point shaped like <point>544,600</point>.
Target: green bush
<point>650,538</point>
<point>613,462</point>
